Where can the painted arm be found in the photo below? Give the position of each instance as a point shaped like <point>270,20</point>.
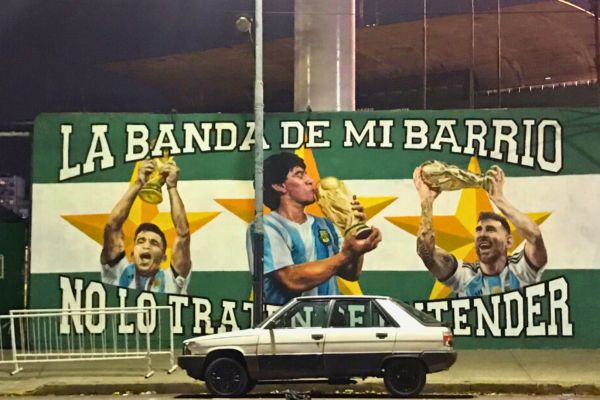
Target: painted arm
<point>356,250</point>
<point>181,259</point>
<point>535,249</point>
<point>439,262</point>
<point>347,264</point>
<point>114,243</point>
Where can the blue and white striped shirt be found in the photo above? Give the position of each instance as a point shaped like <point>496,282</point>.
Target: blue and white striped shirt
<point>124,274</point>
<point>468,280</point>
<point>288,243</point>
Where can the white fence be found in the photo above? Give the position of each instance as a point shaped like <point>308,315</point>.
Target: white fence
<point>56,335</point>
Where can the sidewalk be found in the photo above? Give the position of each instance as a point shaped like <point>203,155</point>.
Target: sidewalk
<point>476,371</point>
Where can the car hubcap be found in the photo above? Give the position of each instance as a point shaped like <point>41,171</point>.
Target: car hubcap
<point>225,378</point>
<point>404,379</point>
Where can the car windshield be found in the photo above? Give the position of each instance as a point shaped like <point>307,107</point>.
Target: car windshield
<point>301,313</point>
<point>262,323</point>
<point>419,315</point>
<point>270,317</point>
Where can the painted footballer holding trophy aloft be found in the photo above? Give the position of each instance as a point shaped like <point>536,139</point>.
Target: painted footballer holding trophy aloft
<point>150,244</point>
<point>495,271</point>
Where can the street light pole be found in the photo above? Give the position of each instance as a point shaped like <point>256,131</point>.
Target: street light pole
<point>472,66</point>
<point>499,59</point>
<point>424,54</point>
<point>259,109</point>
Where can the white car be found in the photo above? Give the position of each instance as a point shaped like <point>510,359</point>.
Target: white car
<point>332,337</point>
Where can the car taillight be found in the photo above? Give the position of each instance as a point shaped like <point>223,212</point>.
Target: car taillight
<point>447,339</point>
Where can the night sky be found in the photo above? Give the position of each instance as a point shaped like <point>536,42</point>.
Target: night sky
<point>53,50</point>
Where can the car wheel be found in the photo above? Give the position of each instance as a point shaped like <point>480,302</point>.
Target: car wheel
<point>404,377</point>
<point>226,377</point>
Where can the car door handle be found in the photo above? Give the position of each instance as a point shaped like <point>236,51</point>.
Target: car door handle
<point>381,335</point>
<point>317,336</point>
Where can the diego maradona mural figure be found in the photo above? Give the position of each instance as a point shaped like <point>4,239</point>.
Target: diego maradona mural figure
<point>303,253</point>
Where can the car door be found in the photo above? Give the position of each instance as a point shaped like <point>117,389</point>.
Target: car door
<point>358,337</point>
<point>291,346</point>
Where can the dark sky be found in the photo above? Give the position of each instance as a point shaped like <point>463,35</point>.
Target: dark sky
<point>52,51</point>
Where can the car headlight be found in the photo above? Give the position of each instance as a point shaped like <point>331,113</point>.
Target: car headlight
<point>186,350</point>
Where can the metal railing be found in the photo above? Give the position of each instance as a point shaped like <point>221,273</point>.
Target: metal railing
<point>59,335</point>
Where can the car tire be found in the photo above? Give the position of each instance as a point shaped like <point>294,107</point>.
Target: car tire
<point>404,377</point>
<point>250,386</point>
<point>226,377</point>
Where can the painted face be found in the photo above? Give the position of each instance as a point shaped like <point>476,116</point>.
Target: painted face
<point>148,252</point>
<point>299,186</point>
<point>491,240</point>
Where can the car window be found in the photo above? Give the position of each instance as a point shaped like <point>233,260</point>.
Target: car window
<point>356,313</point>
<point>421,316</point>
<point>403,313</point>
<point>305,314</point>
<point>379,319</point>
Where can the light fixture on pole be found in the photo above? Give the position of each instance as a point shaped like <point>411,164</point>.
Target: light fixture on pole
<point>243,23</point>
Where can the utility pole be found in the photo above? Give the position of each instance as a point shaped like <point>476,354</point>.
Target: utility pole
<point>472,66</point>
<point>499,47</point>
<point>259,110</point>
<point>424,54</point>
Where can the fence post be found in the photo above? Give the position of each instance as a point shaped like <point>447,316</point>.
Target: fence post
<point>148,350</point>
<point>13,342</point>
<point>172,355</point>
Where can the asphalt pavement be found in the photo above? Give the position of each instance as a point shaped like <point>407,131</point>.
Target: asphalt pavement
<point>540,372</point>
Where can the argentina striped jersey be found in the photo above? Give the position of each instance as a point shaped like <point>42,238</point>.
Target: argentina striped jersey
<point>288,243</point>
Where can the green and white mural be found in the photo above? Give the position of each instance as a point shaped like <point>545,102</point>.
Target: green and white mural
<point>87,179</point>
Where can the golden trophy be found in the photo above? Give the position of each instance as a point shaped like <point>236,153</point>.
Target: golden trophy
<point>151,192</point>
<point>441,176</point>
<point>335,201</point>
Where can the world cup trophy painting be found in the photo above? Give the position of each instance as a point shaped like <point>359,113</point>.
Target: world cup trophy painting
<point>152,191</point>
<point>444,177</point>
<point>335,201</point>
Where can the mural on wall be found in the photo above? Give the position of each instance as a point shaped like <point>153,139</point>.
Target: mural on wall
<point>485,219</point>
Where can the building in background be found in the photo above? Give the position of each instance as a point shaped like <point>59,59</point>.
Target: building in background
<point>14,195</point>
<point>13,266</point>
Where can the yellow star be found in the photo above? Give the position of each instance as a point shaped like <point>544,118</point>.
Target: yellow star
<point>455,233</point>
<point>93,224</point>
<point>244,209</point>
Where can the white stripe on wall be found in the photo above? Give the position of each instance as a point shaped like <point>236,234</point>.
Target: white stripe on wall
<point>570,233</point>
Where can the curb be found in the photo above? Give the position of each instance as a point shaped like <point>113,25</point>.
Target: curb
<point>360,390</point>
<point>513,388</point>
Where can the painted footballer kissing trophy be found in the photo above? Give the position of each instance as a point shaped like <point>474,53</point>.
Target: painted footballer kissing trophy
<point>151,192</point>
<point>441,176</point>
<point>335,201</point>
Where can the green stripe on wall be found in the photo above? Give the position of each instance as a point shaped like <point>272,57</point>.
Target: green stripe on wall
<point>579,140</point>
<point>47,147</point>
<point>407,286</point>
